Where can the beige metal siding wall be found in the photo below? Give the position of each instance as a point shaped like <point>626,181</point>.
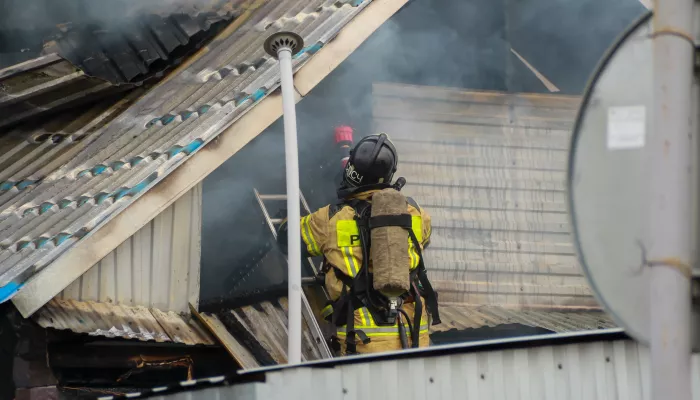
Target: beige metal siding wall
<point>490,168</point>
<point>601,370</point>
<point>156,267</point>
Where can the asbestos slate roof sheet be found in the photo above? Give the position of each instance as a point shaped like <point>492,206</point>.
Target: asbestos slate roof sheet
<point>460,316</point>
<point>45,211</point>
<point>120,321</point>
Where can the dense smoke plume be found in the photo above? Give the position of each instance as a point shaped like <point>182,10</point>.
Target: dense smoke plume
<point>452,43</point>
<point>27,25</point>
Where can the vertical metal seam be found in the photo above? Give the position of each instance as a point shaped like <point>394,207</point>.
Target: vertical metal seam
<point>171,238</point>
<point>151,267</point>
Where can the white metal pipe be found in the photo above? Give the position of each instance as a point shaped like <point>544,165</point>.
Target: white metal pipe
<point>670,155</point>
<point>291,151</point>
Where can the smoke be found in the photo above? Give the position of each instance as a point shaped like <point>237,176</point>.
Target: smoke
<point>31,15</point>
<point>27,25</point>
<point>565,39</point>
<point>450,43</point>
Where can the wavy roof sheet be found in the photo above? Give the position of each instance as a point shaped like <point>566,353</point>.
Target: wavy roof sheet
<point>45,211</point>
<point>462,316</point>
<point>121,321</point>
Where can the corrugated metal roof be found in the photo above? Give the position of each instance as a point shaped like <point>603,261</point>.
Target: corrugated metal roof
<point>157,267</point>
<point>39,85</point>
<point>459,316</point>
<point>143,45</point>
<point>490,168</point>
<point>97,58</point>
<point>43,215</point>
<point>114,320</point>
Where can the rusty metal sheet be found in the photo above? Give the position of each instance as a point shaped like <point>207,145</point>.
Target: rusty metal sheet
<point>127,322</point>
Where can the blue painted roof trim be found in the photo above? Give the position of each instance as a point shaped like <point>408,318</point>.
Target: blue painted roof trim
<point>9,290</point>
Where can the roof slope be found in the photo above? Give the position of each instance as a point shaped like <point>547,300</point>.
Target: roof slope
<point>459,316</point>
<point>47,215</point>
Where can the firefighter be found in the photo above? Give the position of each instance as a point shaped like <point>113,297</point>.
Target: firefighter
<point>352,238</point>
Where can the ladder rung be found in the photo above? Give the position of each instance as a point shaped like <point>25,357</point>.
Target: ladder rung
<point>273,196</point>
<point>276,220</point>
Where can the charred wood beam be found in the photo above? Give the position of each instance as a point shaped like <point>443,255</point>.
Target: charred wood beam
<point>123,363</point>
<point>246,337</point>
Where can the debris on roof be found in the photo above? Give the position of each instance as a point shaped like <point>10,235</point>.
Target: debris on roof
<point>46,84</point>
<point>84,61</point>
<point>140,47</point>
<point>240,353</point>
<point>120,321</point>
<point>44,213</point>
<point>256,335</point>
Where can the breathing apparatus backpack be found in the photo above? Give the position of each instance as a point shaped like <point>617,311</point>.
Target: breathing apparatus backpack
<point>388,239</point>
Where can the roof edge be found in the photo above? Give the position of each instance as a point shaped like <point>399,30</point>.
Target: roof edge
<point>44,286</point>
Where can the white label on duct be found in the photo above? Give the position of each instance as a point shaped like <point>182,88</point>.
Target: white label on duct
<point>626,127</point>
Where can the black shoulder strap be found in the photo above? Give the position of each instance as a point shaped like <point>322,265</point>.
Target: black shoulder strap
<point>428,291</point>
<point>334,209</point>
<point>412,202</point>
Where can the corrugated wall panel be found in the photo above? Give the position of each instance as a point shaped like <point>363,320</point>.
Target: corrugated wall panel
<point>604,370</point>
<point>490,168</point>
<point>157,267</point>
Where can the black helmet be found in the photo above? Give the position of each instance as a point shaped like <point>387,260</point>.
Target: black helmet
<point>373,160</point>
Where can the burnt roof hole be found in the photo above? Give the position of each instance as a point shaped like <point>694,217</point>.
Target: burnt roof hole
<point>338,4</point>
<point>224,72</point>
<point>319,9</point>
<point>56,139</point>
<point>242,68</point>
<point>42,138</point>
<point>259,63</point>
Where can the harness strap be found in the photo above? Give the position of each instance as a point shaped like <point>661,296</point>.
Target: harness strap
<point>417,314</point>
<point>350,343</point>
<point>428,291</point>
<point>400,220</point>
<point>402,333</point>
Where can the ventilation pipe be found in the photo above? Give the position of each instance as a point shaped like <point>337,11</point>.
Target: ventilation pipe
<point>283,45</point>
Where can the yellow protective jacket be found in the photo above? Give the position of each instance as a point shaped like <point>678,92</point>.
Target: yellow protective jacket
<point>331,232</point>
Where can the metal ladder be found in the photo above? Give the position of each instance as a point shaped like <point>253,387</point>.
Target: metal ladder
<point>273,224</point>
